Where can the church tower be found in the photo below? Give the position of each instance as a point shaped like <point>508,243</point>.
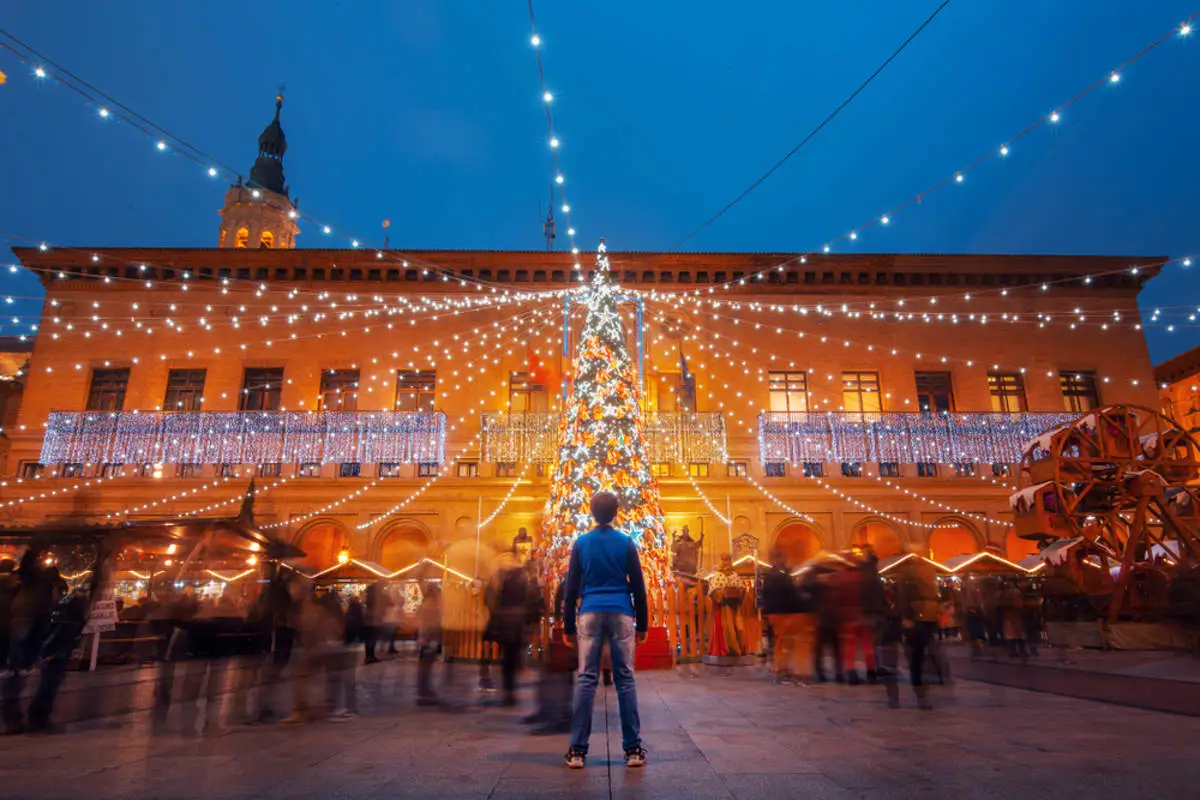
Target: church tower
<point>259,213</point>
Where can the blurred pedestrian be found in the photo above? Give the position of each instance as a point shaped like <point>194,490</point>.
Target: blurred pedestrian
<point>780,604</point>
<point>9,584</point>
<point>853,633</point>
<point>374,616</point>
<point>67,620</point>
<point>820,581</point>
<point>917,602</point>
<point>429,643</point>
<point>554,689</point>
<point>1012,609</point>
<point>605,578</point>
<point>31,606</point>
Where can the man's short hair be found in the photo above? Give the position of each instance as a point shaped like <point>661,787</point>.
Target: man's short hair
<point>604,507</point>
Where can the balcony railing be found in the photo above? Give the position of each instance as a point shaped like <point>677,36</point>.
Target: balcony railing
<point>899,437</point>
<point>670,437</point>
<point>244,437</point>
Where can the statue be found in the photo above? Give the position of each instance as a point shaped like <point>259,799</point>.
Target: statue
<point>727,590</point>
<point>522,545</point>
<point>685,552</point>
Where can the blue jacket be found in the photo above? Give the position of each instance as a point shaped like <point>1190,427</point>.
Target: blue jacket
<point>605,575</point>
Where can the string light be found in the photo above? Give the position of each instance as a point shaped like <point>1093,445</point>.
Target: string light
<point>700,493</point>
<point>507,496</point>
<point>882,514</point>
<point>552,136</point>
<point>771,496</point>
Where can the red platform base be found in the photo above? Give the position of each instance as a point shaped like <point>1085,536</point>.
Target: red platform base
<point>655,653</point>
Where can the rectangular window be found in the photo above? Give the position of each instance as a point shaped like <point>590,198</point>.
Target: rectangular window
<point>775,469</point>
<point>225,471</point>
<point>814,469</point>
<point>185,390</point>
<point>269,470</point>
<point>389,469</point>
<point>349,469</point>
<point>154,471</point>
<point>935,395</point>
<point>1008,392</point>
<point>698,469</point>
<point>73,470</point>
<point>851,469</point>
<point>111,470</point>
<point>660,469</point>
<point>189,470</point>
<point>735,469</point>
<point>964,469</point>
<point>107,392</point>
<point>926,469</point>
<point>467,469</point>
<point>789,391</point>
<point>31,470</point>
<point>427,469</point>
<point>1001,470</point>
<point>1080,391</point>
<point>889,469</point>
<point>339,390</point>
<point>261,387</point>
<point>860,393</point>
<point>309,469</point>
<point>524,396</point>
<point>506,469</point>
<point>415,389</point>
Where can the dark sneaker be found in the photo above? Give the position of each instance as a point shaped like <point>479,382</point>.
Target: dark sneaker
<point>635,757</point>
<point>575,758</point>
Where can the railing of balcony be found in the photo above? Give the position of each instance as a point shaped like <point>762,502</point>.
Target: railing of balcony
<point>903,438</point>
<point>670,437</point>
<point>244,437</point>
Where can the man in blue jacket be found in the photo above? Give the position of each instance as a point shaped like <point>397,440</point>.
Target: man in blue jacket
<point>605,579</point>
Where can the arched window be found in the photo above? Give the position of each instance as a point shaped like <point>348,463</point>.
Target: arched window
<point>880,536</point>
<point>321,544</point>
<point>402,546</point>
<point>953,540</point>
<point>242,237</point>
<point>223,232</point>
<point>267,240</point>
<point>799,542</point>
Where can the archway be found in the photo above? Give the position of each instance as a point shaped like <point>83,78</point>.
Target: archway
<point>321,543</point>
<point>242,237</point>
<point>952,539</point>
<point>799,542</point>
<point>882,537</point>
<point>403,544</point>
<point>1016,548</point>
<point>267,240</point>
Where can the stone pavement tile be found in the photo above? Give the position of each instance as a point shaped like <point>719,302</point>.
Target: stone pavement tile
<point>582,784</point>
<point>751,786</point>
<point>738,752</point>
<point>417,786</point>
<point>649,782</point>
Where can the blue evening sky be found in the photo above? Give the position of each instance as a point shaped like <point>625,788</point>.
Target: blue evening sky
<point>428,113</point>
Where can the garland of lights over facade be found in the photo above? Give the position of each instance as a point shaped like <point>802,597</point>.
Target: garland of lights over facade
<point>601,444</point>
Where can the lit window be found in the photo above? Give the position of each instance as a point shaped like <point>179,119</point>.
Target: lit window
<point>415,390</point>
<point>467,469</point>
<point>389,469</point>
<point>1080,391</point>
<point>339,390</point>
<point>427,469</point>
<point>935,395</point>
<point>242,237</point>
<point>266,241</point>
<point>506,469</point>
<point>736,469</point>
<point>789,391</point>
<point>1008,392</point>
<point>698,469</point>
<point>661,469</point>
<point>525,396</point>
<point>860,393</point>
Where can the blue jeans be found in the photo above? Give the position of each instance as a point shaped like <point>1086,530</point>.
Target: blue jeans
<point>593,630</point>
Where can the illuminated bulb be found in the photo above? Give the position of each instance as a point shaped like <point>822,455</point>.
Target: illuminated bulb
<point>571,232</point>
<point>853,235</point>
<point>41,73</point>
<point>1003,149</point>
<point>566,208</point>
<point>958,178</point>
<point>161,145</point>
<point>547,97</point>
<point>558,179</point>
<point>554,142</point>
<point>885,219</point>
<point>1185,29</point>
<point>327,229</point>
<point>535,40</point>
<point>1115,77</point>
<point>1054,116</point>
<point>212,172</point>
<point>292,214</point>
<point>104,112</point>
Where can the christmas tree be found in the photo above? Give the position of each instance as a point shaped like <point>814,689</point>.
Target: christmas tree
<point>600,445</point>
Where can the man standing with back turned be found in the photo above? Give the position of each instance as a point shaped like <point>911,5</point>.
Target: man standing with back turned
<point>605,578</point>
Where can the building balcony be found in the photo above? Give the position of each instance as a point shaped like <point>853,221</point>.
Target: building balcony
<point>243,437</point>
<point>900,438</point>
<point>670,437</point>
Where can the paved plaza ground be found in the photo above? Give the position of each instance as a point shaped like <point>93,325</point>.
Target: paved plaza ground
<point>710,735</point>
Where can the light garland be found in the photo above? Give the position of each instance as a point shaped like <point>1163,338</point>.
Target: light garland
<point>700,493</point>
<point>883,514</point>
<point>171,498</point>
<point>323,509</point>
<point>552,141</point>
<point>767,493</point>
<point>944,506</point>
<point>258,490</point>
<point>507,496</point>
<point>957,177</point>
